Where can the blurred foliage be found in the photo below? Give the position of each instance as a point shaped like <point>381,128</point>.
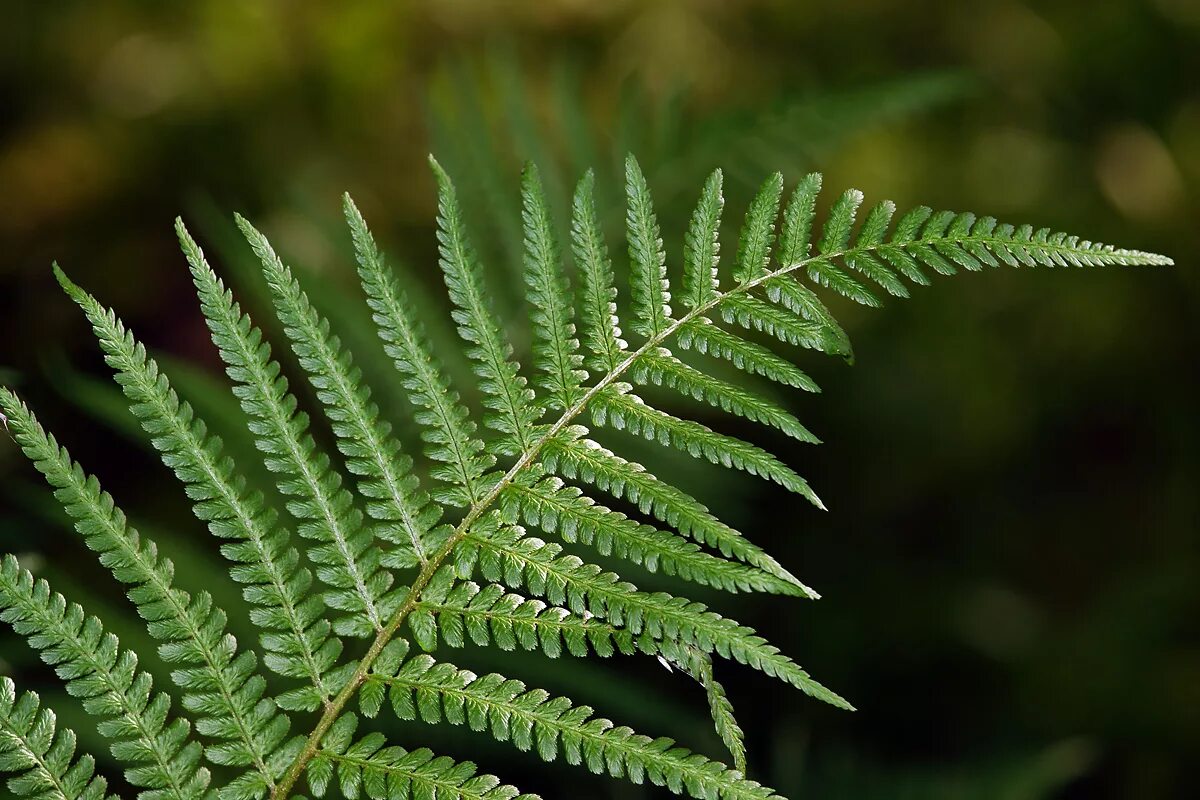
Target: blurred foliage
<point>1011,561</point>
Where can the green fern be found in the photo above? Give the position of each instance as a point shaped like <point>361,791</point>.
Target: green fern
<point>441,551</point>
<point>42,758</point>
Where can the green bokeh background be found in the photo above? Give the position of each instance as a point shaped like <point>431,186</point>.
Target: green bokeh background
<point>1011,562</point>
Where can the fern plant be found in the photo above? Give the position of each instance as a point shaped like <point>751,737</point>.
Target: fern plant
<point>406,558</point>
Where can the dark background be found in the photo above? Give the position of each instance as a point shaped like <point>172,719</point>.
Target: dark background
<point>1011,557</point>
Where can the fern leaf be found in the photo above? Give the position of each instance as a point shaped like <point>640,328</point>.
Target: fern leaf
<point>220,686</point>
<point>663,369</point>
<point>601,326</point>
<point>42,756</point>
<point>835,241</point>
<point>158,751</point>
<point>789,293</point>
<point>551,308</point>
<point>531,719</point>
<point>754,314</point>
<point>758,231</point>
<point>369,767</point>
<point>702,245</point>
<point>447,428</point>
<point>587,461</point>
<point>564,510</point>
<point>372,453</point>
<point>703,336</point>
<point>491,616</point>
<point>343,551</point>
<point>297,640</point>
<point>510,402</point>
<point>871,234</point>
<point>650,289</point>
<point>797,232</point>
<point>619,408</point>
<point>509,557</point>
<point>699,666</point>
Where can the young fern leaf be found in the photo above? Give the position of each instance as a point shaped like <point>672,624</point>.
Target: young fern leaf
<point>42,757</point>
<point>344,552</point>
<point>448,431</point>
<point>405,513</point>
<point>220,686</point>
<point>296,638</point>
<point>513,412</point>
<point>158,752</point>
<point>531,719</point>
<point>551,308</point>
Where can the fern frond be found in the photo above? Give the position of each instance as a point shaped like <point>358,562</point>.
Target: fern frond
<point>702,245</point>
<point>344,552</point>
<point>699,666</point>
<point>369,767</point>
<point>661,368</point>
<point>601,326</point>
<point>650,289</point>
<point>297,640</point>
<point>447,429</point>
<point>619,408</point>
<point>507,556</point>
<point>702,336</point>
<point>489,615</point>
<point>758,230</point>
<point>563,510</point>
<point>789,293</point>
<point>510,401</point>
<point>372,454</point>
<point>575,457</point>
<point>158,751</point>
<point>758,315</point>
<point>555,347</point>
<point>531,719</point>
<point>220,685</point>
<point>835,239</point>
<point>871,234</point>
<point>42,756</point>
<point>590,608</point>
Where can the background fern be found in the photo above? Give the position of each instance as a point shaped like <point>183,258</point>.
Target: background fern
<point>420,586</point>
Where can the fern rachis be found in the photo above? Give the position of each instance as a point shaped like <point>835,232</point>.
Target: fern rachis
<point>400,565</point>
